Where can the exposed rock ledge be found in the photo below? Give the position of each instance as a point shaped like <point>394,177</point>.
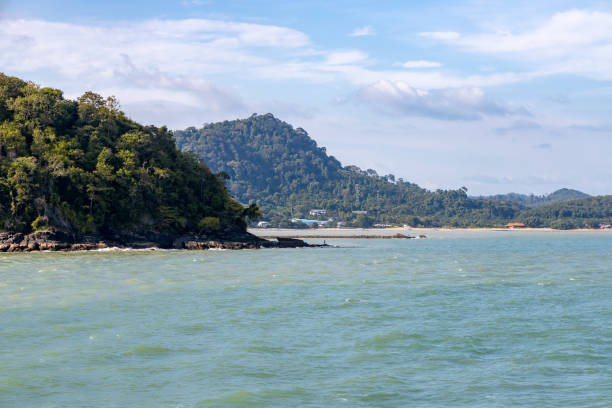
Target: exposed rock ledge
<point>59,241</point>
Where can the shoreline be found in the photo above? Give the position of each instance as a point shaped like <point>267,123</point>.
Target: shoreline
<point>362,236</point>
<point>328,232</point>
<point>55,241</point>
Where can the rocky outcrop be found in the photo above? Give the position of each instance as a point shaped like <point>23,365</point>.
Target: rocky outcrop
<point>59,241</point>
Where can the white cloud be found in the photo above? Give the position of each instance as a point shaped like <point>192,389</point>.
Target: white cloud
<point>440,35</point>
<point>519,126</point>
<point>561,34</point>
<point>194,45</point>
<point>446,104</point>
<point>195,3</point>
<point>169,61</point>
<point>420,64</point>
<point>543,146</point>
<point>363,31</point>
<point>199,62</point>
<point>591,128</point>
<point>346,57</point>
<point>200,48</point>
<point>574,41</point>
<point>218,100</point>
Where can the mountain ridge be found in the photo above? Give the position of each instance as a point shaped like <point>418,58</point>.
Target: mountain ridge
<point>532,200</point>
<point>288,174</point>
<point>266,160</point>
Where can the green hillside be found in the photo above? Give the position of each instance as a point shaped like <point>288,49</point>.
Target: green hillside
<point>561,195</point>
<point>282,169</point>
<point>81,166</point>
<point>584,213</point>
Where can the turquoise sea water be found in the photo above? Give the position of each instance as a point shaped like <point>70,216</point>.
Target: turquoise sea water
<point>476,319</point>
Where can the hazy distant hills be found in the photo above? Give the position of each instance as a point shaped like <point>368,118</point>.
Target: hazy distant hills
<point>561,195</point>
<point>588,212</point>
<point>287,174</point>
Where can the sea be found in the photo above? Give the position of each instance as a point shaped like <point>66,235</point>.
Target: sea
<point>460,319</point>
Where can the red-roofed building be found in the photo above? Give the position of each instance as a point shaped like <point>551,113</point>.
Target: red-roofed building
<point>515,225</point>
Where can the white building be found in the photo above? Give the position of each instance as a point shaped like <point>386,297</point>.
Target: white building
<point>317,211</point>
<point>263,224</point>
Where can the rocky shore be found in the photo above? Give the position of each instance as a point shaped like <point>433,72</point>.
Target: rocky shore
<point>59,241</point>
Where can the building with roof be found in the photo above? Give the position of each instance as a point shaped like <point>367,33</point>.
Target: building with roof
<point>309,222</point>
<point>317,211</point>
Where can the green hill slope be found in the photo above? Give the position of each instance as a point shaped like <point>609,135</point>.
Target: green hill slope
<point>561,195</point>
<point>83,167</point>
<point>287,174</point>
<point>584,213</point>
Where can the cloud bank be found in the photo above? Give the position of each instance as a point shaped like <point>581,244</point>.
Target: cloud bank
<point>574,41</point>
<point>363,31</point>
<point>467,104</point>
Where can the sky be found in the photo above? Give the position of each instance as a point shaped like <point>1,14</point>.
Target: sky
<point>492,95</point>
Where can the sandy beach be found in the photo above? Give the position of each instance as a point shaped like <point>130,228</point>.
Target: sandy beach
<point>347,232</point>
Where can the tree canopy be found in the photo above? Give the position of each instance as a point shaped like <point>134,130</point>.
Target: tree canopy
<point>82,166</point>
<point>583,213</point>
<point>531,200</point>
<point>287,174</point>
<point>282,169</point>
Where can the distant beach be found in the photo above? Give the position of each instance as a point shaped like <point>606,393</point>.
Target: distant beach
<point>348,232</point>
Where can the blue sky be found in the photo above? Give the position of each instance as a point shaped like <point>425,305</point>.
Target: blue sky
<point>494,96</point>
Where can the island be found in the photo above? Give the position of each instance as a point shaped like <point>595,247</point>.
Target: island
<point>80,175</point>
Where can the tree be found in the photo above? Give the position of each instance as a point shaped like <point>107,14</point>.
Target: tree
<point>83,166</point>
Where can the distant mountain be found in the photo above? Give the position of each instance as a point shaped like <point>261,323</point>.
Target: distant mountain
<point>287,174</point>
<point>561,195</point>
<point>587,212</point>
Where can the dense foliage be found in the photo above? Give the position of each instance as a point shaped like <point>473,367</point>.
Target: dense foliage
<point>283,170</point>
<point>82,166</point>
<point>584,213</point>
<point>531,200</point>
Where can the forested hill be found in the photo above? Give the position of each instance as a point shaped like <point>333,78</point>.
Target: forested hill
<point>588,212</point>
<point>561,195</point>
<point>81,166</point>
<point>287,174</point>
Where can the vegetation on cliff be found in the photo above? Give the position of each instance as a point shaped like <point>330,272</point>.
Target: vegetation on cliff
<point>81,166</point>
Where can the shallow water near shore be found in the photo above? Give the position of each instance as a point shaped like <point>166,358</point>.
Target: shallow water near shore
<point>479,319</point>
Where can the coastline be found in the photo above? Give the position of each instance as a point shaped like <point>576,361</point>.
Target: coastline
<point>54,241</point>
<point>353,232</point>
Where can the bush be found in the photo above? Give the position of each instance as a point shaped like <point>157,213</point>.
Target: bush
<point>41,223</point>
<point>210,225</point>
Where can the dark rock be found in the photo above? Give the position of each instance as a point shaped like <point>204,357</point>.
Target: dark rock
<point>14,248</point>
<point>290,242</point>
<point>59,241</point>
<point>142,245</point>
